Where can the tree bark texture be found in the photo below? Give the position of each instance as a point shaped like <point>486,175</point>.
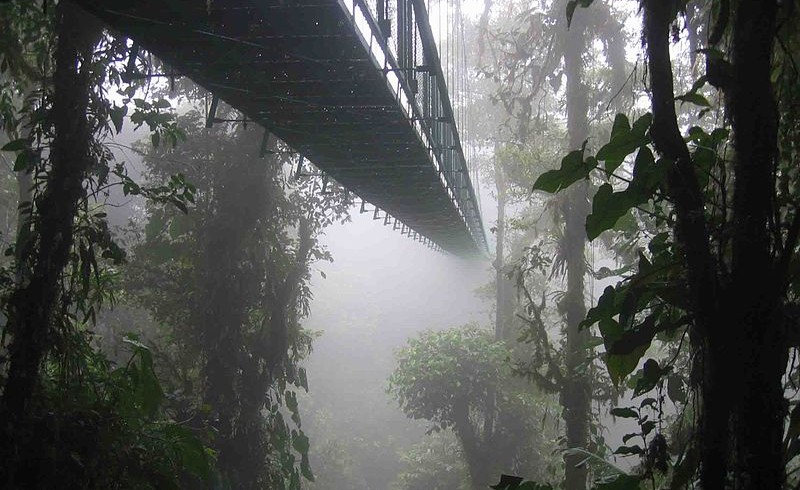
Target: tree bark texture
<point>476,455</point>
<point>742,346</point>
<point>33,304</point>
<point>761,356</point>
<point>691,231</point>
<point>576,391</point>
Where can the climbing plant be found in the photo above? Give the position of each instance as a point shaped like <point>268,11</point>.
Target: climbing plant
<point>722,222</point>
<point>244,251</point>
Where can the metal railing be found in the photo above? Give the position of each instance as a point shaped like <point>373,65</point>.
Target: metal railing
<point>401,41</point>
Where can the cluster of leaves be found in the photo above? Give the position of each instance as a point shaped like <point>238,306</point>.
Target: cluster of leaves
<point>630,202</point>
<point>651,300</point>
<point>90,423</point>
<point>442,372</point>
<point>460,378</point>
<point>434,464</point>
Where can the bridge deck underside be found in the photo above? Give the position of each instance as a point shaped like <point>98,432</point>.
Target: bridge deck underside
<point>300,69</point>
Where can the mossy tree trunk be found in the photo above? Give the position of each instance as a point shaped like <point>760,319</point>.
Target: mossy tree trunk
<point>576,390</point>
<point>33,304</point>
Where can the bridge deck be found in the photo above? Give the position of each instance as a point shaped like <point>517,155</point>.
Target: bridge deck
<point>301,69</point>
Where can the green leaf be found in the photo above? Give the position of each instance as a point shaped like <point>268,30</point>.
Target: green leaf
<point>622,125</point>
<point>572,4</point>
<point>300,443</point>
<point>624,413</point>
<point>633,338</point>
<point>628,450</point>
<point>16,145</point>
<point>573,168</point>
<point>648,175</point>
<point>605,309</point>
<point>624,141</point>
<point>695,99</point>
<point>608,207</point>
<point>162,104</point>
<point>641,125</point>
<point>651,375</point>
<point>620,366</point>
<point>117,115</point>
<point>648,402</point>
<point>21,162</point>
<point>628,437</point>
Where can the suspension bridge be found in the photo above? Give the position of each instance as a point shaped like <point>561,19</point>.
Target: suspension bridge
<point>357,87</point>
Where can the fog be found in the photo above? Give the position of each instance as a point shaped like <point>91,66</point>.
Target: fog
<point>195,294</point>
<point>381,289</point>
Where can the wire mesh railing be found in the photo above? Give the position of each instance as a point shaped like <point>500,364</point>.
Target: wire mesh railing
<point>401,40</point>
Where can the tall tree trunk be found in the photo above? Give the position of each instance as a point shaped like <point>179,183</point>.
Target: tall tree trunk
<point>32,306</point>
<point>229,274</point>
<point>741,340</point>
<point>576,391</point>
<point>501,292</point>
<point>761,356</point>
<point>476,455</point>
<point>691,232</point>
<point>501,287</point>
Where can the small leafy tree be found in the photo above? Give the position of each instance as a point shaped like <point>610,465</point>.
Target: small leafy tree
<point>449,377</point>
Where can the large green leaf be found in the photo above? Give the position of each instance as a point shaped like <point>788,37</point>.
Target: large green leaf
<point>624,412</point>
<point>695,99</point>
<point>608,207</point>
<point>117,115</point>
<point>632,338</point>
<point>650,376</point>
<point>624,141</point>
<point>628,450</point>
<point>619,365</point>
<point>605,309</point>
<point>300,443</point>
<point>573,168</point>
<point>16,145</point>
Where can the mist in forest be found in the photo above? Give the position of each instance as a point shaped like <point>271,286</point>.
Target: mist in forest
<point>400,244</point>
<point>380,290</point>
